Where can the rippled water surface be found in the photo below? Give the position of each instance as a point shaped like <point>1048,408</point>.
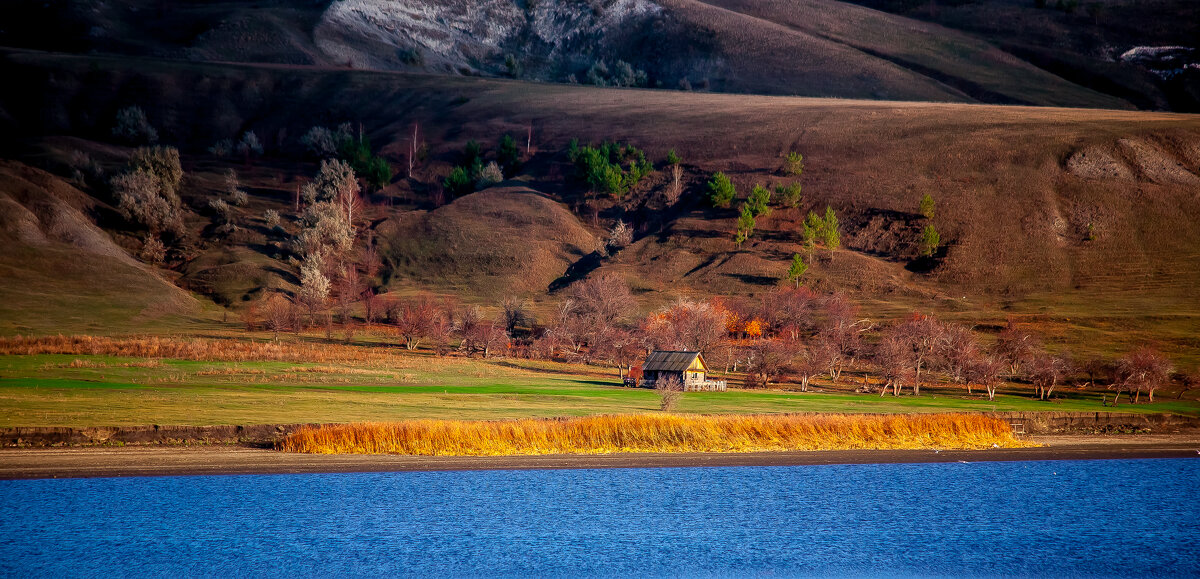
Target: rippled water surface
<point>1122,517</point>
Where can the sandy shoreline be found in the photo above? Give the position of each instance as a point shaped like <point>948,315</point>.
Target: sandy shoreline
<point>225,460</point>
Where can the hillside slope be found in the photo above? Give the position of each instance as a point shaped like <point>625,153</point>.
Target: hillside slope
<point>819,48</point>
<point>1088,219</point>
<point>62,273</point>
<point>467,246</point>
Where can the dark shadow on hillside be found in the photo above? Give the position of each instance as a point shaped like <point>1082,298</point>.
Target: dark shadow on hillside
<point>754,279</point>
<point>777,236</point>
<point>784,255</point>
<point>532,369</point>
<point>927,264</point>
<point>577,271</point>
<point>666,234</point>
<point>284,274</point>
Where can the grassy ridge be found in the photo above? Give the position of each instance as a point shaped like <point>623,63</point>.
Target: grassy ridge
<point>655,433</point>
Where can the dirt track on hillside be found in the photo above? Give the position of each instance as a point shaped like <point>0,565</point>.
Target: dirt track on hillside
<point>225,460</point>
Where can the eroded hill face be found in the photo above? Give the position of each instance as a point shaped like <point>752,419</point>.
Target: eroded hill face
<point>472,37</point>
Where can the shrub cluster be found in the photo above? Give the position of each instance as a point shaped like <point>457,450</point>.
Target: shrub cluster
<point>720,190</point>
<point>602,167</point>
<point>759,201</point>
<point>134,128</point>
<point>355,150</point>
<point>788,195</point>
<point>148,193</point>
<point>472,173</point>
<point>822,229</point>
<point>622,74</point>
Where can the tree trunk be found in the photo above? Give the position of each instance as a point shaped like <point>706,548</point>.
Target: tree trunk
<point>1117,397</point>
<point>1137,395</point>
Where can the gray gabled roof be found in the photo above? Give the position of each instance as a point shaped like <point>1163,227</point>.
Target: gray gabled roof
<point>665,361</point>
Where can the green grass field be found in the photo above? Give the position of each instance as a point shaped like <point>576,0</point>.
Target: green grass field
<point>71,390</point>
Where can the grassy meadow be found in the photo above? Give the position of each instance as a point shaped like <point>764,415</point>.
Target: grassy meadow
<point>112,382</point>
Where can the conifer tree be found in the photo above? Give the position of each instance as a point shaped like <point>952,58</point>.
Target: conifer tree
<point>927,206</point>
<point>930,240</point>
<point>797,269</point>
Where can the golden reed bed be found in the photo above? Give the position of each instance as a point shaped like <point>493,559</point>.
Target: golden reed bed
<point>656,433</point>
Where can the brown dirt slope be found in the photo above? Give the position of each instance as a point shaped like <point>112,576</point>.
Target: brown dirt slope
<point>961,63</point>
<point>493,243</point>
<point>63,273</point>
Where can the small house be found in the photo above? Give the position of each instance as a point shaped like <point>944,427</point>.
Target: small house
<point>687,367</point>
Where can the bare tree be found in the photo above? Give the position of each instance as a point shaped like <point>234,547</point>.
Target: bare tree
<point>143,199</point>
<point>923,334</point>
<point>670,391</point>
<point>619,236</point>
<point>412,151</point>
<point>1142,369</point>
<point>790,312</point>
<point>675,189</point>
<point>1016,347</point>
<point>912,342</point>
<point>249,315</point>
<point>370,305</point>
<point>314,287</point>
<point>956,350</point>
<point>277,313</point>
<point>488,338</point>
<point>516,314</point>
<point>596,306</point>
<point>840,334</point>
<point>570,330</point>
<point>603,299</point>
<point>986,371</point>
<point>894,358</point>
<point>1187,381</point>
<point>347,291</point>
<point>619,347</point>
<point>809,362</point>
<point>685,325</point>
<point>1046,371</point>
<point>768,361</point>
<point>417,320</point>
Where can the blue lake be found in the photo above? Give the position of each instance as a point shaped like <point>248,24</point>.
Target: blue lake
<point>1057,518</point>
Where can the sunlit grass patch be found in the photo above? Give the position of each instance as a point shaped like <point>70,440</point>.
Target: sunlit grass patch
<point>656,433</point>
